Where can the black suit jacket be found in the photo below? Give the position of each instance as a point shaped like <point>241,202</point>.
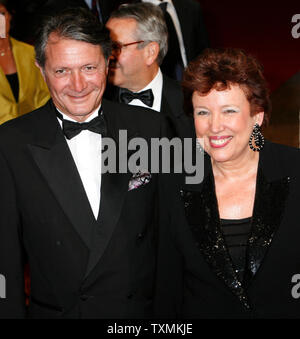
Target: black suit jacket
<point>171,107</point>
<point>196,278</point>
<point>79,267</point>
<point>192,25</point>
<point>193,29</point>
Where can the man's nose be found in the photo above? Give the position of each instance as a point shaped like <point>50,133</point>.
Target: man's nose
<point>78,82</point>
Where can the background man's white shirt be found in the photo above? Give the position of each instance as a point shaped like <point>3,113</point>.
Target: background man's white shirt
<point>156,85</point>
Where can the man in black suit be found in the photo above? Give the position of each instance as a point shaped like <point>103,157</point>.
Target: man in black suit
<point>187,33</point>
<point>88,236</point>
<point>140,43</point>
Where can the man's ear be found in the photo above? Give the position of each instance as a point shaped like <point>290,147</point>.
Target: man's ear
<point>152,51</point>
<point>41,69</point>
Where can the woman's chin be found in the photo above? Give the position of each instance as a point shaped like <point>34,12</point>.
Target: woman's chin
<point>220,155</point>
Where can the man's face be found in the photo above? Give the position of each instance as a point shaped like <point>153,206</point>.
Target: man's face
<point>75,73</point>
<point>128,67</point>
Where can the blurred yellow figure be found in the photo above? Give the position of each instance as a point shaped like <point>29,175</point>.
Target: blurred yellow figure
<point>22,88</point>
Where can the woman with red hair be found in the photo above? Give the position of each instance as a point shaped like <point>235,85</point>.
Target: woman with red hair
<point>229,246</point>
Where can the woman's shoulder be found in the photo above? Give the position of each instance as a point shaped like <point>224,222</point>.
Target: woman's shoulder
<point>281,159</point>
<point>22,46</point>
<point>284,151</point>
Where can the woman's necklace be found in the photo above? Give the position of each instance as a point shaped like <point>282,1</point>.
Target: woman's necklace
<point>3,52</point>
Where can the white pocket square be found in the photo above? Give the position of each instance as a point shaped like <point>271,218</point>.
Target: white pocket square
<point>139,179</point>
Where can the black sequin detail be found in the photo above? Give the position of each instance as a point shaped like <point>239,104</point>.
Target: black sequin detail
<point>201,209</point>
<point>203,216</point>
<point>268,210</point>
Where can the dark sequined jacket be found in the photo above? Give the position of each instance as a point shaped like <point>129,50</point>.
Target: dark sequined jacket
<point>196,277</point>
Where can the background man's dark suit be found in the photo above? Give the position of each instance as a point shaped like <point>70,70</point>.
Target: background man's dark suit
<point>79,267</point>
<point>192,25</point>
<point>172,107</point>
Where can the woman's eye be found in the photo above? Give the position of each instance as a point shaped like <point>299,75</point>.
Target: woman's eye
<point>230,110</point>
<point>202,112</point>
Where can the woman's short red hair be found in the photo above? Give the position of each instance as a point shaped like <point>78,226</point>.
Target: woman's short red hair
<point>219,69</point>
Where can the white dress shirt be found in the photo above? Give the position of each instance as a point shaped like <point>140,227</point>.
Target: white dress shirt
<point>156,85</point>
<point>172,11</point>
<point>86,151</point>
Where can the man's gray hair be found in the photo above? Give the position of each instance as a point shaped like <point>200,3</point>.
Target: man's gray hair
<point>76,24</point>
<point>151,25</point>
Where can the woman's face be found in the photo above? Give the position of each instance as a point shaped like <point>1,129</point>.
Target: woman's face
<point>223,120</point>
<point>7,17</point>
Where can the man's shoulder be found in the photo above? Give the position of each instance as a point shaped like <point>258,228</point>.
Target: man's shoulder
<point>14,128</point>
<point>129,111</point>
<point>137,120</point>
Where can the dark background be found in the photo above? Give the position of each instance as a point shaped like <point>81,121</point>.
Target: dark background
<point>263,28</point>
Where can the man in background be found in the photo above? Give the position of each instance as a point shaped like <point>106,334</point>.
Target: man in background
<point>187,33</point>
<point>140,43</point>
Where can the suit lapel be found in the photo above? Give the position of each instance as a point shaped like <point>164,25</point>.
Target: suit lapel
<point>114,187</point>
<point>113,191</point>
<point>201,209</point>
<point>268,210</point>
<point>54,159</point>
<point>183,17</point>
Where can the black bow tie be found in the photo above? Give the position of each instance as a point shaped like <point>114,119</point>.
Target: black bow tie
<point>146,96</point>
<point>71,129</point>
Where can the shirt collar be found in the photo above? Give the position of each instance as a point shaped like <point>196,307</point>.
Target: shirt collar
<point>91,117</point>
<point>156,86</point>
<point>156,81</point>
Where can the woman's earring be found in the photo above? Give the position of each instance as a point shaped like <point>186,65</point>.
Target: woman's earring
<point>258,143</point>
<point>199,146</point>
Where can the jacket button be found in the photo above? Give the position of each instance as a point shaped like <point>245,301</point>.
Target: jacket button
<point>84,297</point>
<point>140,236</point>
